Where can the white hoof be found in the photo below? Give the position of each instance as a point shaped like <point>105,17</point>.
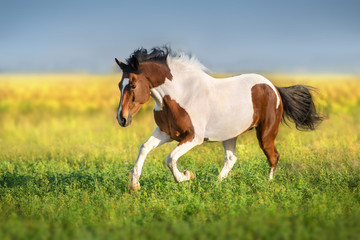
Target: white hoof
<point>271,174</point>
<point>188,175</point>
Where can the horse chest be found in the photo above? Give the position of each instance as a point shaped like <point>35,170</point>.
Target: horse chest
<point>174,120</point>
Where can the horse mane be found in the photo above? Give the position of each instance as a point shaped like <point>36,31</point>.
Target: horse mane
<point>183,61</point>
<point>165,55</point>
<point>143,55</point>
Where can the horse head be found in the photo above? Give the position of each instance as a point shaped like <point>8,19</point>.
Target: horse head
<point>135,91</point>
<point>142,71</point>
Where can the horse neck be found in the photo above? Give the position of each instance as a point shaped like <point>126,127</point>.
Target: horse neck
<point>156,73</point>
<point>185,82</point>
<point>189,77</point>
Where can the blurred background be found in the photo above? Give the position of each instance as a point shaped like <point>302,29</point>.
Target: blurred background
<point>64,160</point>
<point>227,36</point>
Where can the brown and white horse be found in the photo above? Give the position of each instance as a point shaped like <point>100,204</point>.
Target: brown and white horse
<point>193,107</point>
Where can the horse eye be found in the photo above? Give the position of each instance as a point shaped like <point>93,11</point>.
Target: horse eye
<point>133,86</point>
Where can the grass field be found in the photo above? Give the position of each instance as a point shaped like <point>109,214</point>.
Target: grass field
<point>64,165</point>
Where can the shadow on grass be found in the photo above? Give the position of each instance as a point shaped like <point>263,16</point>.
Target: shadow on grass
<point>62,182</point>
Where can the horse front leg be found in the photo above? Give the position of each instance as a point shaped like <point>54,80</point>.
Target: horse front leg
<point>172,158</point>
<point>156,139</point>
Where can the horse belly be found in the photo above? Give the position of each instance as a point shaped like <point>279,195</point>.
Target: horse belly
<point>232,119</point>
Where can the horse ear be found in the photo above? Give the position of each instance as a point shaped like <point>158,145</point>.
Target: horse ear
<point>134,63</point>
<point>121,64</point>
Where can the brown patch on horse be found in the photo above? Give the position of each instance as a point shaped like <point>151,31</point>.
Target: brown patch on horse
<point>267,120</point>
<point>156,73</point>
<point>174,121</point>
<point>264,103</point>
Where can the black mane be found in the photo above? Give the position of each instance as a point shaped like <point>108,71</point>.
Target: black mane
<point>142,55</point>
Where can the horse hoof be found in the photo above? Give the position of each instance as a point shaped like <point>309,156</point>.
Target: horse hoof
<point>134,188</point>
<point>189,174</point>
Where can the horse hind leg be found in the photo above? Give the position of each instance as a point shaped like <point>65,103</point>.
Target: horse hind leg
<point>229,159</point>
<point>269,114</point>
<point>266,137</point>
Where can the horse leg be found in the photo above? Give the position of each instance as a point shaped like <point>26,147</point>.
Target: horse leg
<point>156,139</point>
<point>172,158</point>
<point>266,135</point>
<point>230,158</point>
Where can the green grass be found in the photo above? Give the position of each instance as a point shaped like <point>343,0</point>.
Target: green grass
<point>64,172</point>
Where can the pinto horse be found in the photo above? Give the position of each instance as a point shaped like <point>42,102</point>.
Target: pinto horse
<point>192,107</point>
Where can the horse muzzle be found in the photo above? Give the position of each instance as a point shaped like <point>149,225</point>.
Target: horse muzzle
<point>124,122</point>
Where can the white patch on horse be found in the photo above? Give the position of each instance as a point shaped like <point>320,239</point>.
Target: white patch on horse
<point>157,98</point>
<point>125,82</point>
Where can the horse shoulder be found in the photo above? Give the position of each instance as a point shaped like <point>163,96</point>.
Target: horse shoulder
<point>174,120</point>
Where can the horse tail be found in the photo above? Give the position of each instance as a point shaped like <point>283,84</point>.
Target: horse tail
<point>299,107</point>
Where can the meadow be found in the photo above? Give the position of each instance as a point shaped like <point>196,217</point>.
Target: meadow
<point>64,165</point>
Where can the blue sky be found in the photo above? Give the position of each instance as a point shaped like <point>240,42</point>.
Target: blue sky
<point>227,36</point>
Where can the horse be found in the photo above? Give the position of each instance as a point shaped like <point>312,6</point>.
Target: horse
<point>192,107</point>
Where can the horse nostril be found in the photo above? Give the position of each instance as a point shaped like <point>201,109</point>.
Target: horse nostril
<point>123,121</point>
